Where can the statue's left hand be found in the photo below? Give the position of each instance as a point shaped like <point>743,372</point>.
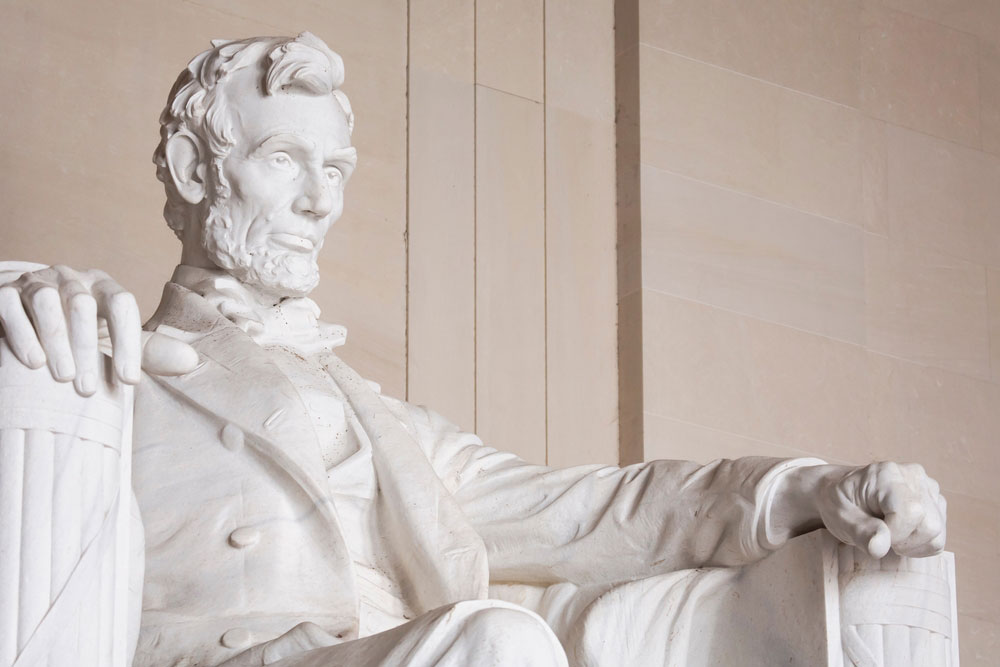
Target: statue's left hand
<point>874,507</point>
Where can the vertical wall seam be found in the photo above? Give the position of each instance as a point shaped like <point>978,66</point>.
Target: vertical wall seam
<point>406,229</point>
<point>628,211</point>
<point>545,223</point>
<point>475,217</point>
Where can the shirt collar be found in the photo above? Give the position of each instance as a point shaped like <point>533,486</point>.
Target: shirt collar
<point>292,322</point>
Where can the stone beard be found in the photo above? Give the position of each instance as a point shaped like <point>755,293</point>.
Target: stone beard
<point>227,238</point>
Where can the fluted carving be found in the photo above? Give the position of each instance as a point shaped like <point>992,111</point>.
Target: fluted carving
<point>897,612</point>
<point>64,519</point>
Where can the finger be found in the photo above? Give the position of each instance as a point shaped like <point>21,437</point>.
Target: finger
<point>121,311</point>
<point>82,311</point>
<point>303,637</point>
<point>853,525</point>
<point>926,532</point>
<point>930,536</point>
<point>45,307</point>
<point>906,521</point>
<point>901,499</point>
<point>931,548</point>
<point>18,330</point>
<point>163,355</point>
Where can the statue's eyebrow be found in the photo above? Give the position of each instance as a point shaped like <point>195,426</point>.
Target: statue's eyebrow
<point>282,140</point>
<point>347,155</point>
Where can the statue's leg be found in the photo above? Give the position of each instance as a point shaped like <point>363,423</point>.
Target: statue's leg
<point>474,632</point>
<point>649,622</point>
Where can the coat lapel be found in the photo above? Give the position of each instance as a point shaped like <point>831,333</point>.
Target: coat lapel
<point>237,383</point>
<point>445,559</point>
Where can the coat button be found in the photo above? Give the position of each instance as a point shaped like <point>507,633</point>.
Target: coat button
<point>241,538</point>
<point>232,437</point>
<point>237,638</point>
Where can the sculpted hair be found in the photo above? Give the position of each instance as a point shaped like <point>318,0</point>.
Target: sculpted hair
<point>303,65</point>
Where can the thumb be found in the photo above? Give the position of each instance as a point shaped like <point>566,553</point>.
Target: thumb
<point>163,355</point>
<point>853,525</point>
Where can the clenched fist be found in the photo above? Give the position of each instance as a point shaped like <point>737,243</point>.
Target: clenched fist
<point>874,507</point>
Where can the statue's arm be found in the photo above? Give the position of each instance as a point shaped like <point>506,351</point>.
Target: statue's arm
<point>601,523</point>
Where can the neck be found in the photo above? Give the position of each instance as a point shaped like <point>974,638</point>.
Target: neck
<point>192,252</point>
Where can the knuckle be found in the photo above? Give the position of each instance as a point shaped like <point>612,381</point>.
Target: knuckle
<point>869,473</point>
<point>65,273</point>
<point>42,276</point>
<point>31,285</point>
<point>915,509</point>
<point>890,474</point>
<point>44,296</point>
<point>123,300</point>
<point>83,303</point>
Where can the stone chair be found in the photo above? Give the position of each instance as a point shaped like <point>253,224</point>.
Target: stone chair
<point>71,559</point>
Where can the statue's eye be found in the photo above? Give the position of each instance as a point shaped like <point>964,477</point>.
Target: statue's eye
<point>334,175</point>
<point>281,161</point>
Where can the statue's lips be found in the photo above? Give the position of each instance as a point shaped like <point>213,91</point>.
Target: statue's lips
<point>293,242</point>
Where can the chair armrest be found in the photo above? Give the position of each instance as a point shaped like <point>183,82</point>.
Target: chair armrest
<point>818,602</point>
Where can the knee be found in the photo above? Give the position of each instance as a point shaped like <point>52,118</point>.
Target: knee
<point>511,636</point>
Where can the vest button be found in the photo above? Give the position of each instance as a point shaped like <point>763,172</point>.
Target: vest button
<point>241,538</point>
<point>236,638</point>
<point>232,437</point>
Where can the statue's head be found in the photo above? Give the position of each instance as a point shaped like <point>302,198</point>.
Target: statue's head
<point>255,149</point>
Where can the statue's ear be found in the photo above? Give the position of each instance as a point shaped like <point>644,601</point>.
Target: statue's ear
<point>187,168</point>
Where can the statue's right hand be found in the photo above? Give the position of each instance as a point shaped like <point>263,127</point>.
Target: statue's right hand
<point>303,637</point>
<point>51,316</point>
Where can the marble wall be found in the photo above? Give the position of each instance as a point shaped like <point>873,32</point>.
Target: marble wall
<point>512,223</point>
<point>820,246</point>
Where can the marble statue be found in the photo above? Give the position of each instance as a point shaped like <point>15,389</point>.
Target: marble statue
<point>290,513</point>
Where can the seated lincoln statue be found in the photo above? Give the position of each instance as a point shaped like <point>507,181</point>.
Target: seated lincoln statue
<point>293,515</point>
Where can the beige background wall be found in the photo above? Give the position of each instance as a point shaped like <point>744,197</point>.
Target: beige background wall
<point>820,200</point>
<point>512,223</point>
<point>803,195</point>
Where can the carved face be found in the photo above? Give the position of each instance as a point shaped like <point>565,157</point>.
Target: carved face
<point>286,174</point>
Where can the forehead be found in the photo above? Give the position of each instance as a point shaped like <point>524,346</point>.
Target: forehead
<point>316,118</point>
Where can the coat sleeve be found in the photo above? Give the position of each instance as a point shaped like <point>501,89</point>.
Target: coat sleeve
<point>596,523</point>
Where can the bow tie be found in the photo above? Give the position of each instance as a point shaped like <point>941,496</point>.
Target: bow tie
<point>293,322</point>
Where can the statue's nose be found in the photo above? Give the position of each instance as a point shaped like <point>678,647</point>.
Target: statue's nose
<point>316,199</point>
